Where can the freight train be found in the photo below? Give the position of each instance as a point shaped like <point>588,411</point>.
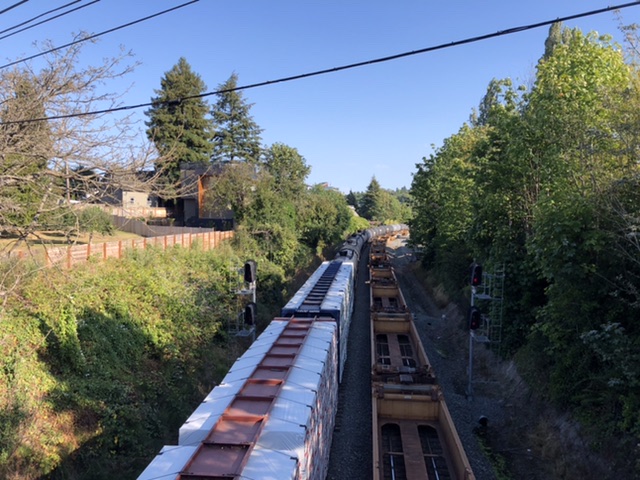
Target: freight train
<point>414,437</point>
<point>273,414</point>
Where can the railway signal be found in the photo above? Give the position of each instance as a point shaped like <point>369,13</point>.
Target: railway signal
<point>475,318</point>
<point>250,314</point>
<point>476,275</point>
<point>250,271</point>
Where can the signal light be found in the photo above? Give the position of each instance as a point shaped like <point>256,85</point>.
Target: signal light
<point>476,274</point>
<point>475,318</point>
<point>250,314</point>
<point>250,271</point>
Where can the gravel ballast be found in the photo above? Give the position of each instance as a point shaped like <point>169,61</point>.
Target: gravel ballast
<point>351,451</point>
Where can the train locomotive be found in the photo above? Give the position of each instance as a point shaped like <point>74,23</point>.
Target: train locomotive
<point>273,414</point>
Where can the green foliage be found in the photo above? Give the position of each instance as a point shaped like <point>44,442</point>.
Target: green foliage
<point>370,207</point>
<point>443,190</point>
<point>353,199</point>
<point>272,203</point>
<point>178,125</point>
<point>380,205</point>
<point>324,218</point>
<point>77,347</point>
<point>288,169</point>
<point>357,224</point>
<point>237,135</point>
<point>95,220</point>
<point>26,147</point>
<point>546,184</point>
<point>497,460</point>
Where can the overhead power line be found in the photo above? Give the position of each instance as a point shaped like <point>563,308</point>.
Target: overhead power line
<point>46,20</point>
<point>96,35</point>
<point>13,6</point>
<point>374,61</point>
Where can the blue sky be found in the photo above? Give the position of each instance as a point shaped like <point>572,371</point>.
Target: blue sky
<point>377,120</point>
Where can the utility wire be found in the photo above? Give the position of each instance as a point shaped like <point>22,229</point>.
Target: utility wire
<point>91,37</point>
<point>441,46</point>
<point>38,16</point>
<point>44,21</point>
<point>13,6</point>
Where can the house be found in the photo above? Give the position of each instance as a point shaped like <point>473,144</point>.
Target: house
<point>131,194</point>
<point>191,207</point>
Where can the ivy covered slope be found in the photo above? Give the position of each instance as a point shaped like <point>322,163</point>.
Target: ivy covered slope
<point>544,182</point>
<point>99,366</point>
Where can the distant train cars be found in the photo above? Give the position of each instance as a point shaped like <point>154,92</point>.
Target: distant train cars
<point>414,437</point>
<point>272,416</point>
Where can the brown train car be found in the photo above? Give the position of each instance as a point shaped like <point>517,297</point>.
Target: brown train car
<point>413,434</point>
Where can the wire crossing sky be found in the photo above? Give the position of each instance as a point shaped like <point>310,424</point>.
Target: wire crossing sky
<point>357,122</point>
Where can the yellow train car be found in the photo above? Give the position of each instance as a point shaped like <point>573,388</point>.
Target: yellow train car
<point>414,437</point>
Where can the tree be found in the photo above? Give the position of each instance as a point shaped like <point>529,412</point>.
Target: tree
<point>52,150</point>
<point>237,135</point>
<point>442,190</point>
<point>352,199</point>
<point>324,218</point>
<point>89,220</point>
<point>288,169</point>
<point>382,206</point>
<point>370,207</point>
<point>178,123</point>
<point>26,150</point>
<point>557,36</point>
<point>233,188</point>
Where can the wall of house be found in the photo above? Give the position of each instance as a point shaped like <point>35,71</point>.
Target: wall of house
<point>134,199</point>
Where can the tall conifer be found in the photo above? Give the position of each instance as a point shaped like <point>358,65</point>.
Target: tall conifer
<point>237,135</point>
<point>178,122</point>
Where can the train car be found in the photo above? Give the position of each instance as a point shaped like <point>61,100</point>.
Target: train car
<point>272,416</point>
<point>413,434</point>
<point>328,292</point>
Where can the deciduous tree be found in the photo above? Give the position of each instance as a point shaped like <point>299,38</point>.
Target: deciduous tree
<point>288,169</point>
<point>47,133</point>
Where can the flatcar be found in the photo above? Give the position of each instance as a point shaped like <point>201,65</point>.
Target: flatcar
<point>414,437</point>
<point>272,416</point>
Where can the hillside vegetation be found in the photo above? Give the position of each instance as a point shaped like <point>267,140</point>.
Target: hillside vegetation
<point>99,366</point>
<point>543,185</point>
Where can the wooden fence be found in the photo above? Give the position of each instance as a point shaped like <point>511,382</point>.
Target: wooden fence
<point>67,257</point>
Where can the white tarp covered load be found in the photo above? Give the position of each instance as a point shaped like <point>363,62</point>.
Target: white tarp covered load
<point>202,420</point>
<point>168,463</point>
<point>292,305</point>
<point>295,441</point>
<point>300,423</point>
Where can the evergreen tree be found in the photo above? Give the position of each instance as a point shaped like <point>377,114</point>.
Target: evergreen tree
<point>371,201</point>
<point>178,123</point>
<point>352,199</point>
<point>237,135</point>
<point>29,144</point>
<point>553,39</point>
